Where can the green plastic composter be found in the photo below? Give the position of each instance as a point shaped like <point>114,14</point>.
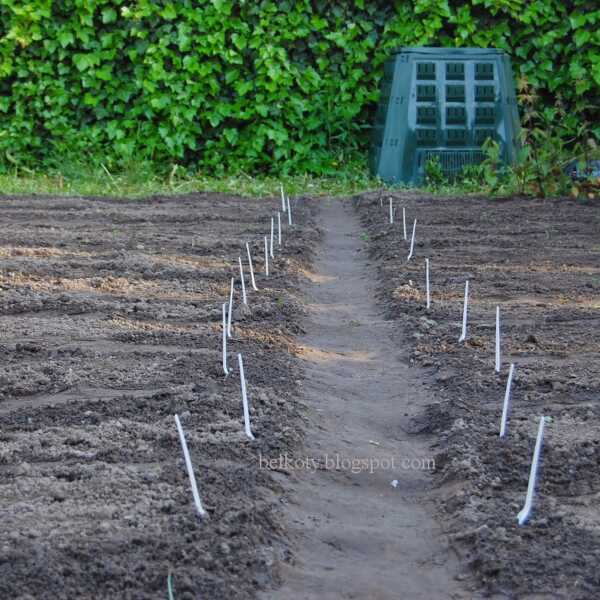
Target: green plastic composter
<point>444,103</point>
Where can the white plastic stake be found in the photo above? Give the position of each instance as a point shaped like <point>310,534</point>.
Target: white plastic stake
<point>427,283</point>
<point>279,229</point>
<point>244,299</point>
<point>225,369</point>
<point>252,280</point>
<point>282,197</point>
<point>266,257</point>
<point>230,307</point>
<point>289,211</point>
<point>498,339</point>
<point>404,221</point>
<point>272,235</point>
<point>391,212</point>
<point>412,241</point>
<point>190,469</point>
<point>525,512</point>
<point>463,335</point>
<point>245,399</point>
<point>506,406</point>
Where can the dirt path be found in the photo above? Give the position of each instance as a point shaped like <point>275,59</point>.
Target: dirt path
<point>357,536</point>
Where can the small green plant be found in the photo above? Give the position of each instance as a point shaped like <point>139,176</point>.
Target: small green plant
<point>434,175</point>
<point>364,236</point>
<point>491,176</point>
<point>491,168</point>
<point>470,178</point>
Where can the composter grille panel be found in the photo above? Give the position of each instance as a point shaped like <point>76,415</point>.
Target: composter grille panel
<point>452,162</point>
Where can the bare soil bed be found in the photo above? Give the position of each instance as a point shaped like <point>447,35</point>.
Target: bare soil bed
<point>540,262</point>
<point>110,323</point>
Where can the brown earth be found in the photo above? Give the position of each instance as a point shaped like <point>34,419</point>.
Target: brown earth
<point>110,315</point>
<point>540,262</point>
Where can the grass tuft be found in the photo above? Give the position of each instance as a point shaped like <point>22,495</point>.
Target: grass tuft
<point>143,180</point>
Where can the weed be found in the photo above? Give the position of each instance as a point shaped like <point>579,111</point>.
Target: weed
<point>434,175</point>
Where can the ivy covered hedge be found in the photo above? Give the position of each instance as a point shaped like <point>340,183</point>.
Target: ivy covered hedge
<point>265,85</point>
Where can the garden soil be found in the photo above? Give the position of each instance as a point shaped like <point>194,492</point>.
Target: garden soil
<point>110,323</point>
<point>539,261</point>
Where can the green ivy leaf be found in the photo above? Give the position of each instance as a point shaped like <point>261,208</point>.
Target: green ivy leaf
<point>109,15</point>
<point>169,12</point>
<point>239,85</point>
<point>65,38</point>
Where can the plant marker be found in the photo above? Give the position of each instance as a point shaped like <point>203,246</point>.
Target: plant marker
<point>391,212</point>
<point>463,335</point>
<point>412,241</point>
<point>272,235</point>
<point>498,339</point>
<point>404,221</point>
<point>279,229</point>
<point>252,280</point>
<point>170,586</point>
<point>245,399</point>
<point>245,300</point>
<point>427,283</point>
<point>282,197</point>
<point>230,308</point>
<point>266,257</point>
<point>225,369</point>
<point>289,211</point>
<point>190,469</point>
<point>525,512</point>
<point>506,405</point>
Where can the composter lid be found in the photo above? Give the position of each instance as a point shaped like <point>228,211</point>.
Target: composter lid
<point>465,52</point>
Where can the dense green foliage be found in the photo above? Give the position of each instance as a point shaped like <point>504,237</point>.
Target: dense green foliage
<point>260,85</point>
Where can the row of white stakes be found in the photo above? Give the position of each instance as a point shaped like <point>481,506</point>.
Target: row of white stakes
<point>226,332</point>
<point>525,513</point>
<point>414,228</point>
<point>186,454</point>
